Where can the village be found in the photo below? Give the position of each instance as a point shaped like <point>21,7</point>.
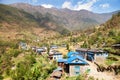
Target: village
<point>59,40</point>
<point>73,63</point>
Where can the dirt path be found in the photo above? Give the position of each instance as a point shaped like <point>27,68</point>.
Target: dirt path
<point>100,75</point>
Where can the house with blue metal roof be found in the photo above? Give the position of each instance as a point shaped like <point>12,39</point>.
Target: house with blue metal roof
<point>96,54</point>
<point>74,64</point>
<point>92,54</point>
<point>76,60</point>
<point>71,53</point>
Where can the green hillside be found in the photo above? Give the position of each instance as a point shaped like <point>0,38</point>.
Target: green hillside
<point>19,64</point>
<point>12,15</point>
<point>23,20</point>
<point>106,35</point>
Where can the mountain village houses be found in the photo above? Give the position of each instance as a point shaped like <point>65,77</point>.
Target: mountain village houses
<point>76,62</point>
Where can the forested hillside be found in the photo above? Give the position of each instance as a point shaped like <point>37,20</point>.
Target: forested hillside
<point>106,34</point>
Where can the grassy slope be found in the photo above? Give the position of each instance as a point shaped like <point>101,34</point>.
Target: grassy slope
<point>15,21</point>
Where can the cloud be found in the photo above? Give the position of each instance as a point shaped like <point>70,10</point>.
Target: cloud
<point>47,5</point>
<point>80,5</point>
<point>67,4</point>
<point>106,5</point>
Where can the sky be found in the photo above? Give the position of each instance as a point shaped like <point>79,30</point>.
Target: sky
<point>97,6</point>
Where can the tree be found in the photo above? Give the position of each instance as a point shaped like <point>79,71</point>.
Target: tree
<point>32,69</point>
<point>68,48</point>
<point>85,45</point>
<point>111,33</point>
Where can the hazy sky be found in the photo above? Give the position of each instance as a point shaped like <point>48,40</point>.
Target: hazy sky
<point>98,6</point>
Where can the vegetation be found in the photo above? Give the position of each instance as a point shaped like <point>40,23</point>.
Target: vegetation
<point>33,69</point>
<point>81,77</point>
<point>19,64</point>
<point>16,63</point>
<point>21,20</point>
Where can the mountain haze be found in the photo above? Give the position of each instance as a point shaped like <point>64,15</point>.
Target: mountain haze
<point>72,20</point>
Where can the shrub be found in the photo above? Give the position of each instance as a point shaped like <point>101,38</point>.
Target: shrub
<point>68,48</point>
<point>1,77</point>
<point>16,53</point>
<point>80,77</point>
<point>112,58</point>
<point>85,45</point>
<point>91,78</point>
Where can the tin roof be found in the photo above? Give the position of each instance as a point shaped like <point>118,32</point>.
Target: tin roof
<point>72,53</point>
<point>82,49</point>
<point>62,60</point>
<point>81,60</point>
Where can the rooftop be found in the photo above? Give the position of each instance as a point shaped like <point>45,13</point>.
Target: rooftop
<point>81,60</point>
<point>69,54</point>
<point>82,49</point>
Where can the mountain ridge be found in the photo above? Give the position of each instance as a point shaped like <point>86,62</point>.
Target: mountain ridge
<point>82,19</point>
<point>14,22</point>
<point>45,22</point>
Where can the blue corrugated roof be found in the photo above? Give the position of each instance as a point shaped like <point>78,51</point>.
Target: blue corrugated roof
<point>72,53</point>
<point>82,61</point>
<point>62,60</point>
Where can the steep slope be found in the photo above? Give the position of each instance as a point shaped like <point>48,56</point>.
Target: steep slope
<point>72,20</point>
<point>107,34</point>
<point>13,20</point>
<point>114,22</point>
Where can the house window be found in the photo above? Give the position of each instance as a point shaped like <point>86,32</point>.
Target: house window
<point>77,73</point>
<point>77,70</point>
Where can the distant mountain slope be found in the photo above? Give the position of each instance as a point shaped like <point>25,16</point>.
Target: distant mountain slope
<point>105,35</point>
<point>72,20</point>
<point>114,22</point>
<point>13,18</point>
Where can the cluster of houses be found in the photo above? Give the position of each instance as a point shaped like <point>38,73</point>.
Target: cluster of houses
<point>77,62</point>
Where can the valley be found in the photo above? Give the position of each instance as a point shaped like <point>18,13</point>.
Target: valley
<point>50,43</point>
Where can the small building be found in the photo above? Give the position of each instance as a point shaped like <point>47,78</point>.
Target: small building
<point>74,64</point>
<point>40,50</point>
<point>94,54</point>
<point>54,47</point>
<point>116,46</point>
<point>55,55</point>
<point>91,54</point>
<point>23,45</point>
<point>82,52</point>
<point>56,74</point>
